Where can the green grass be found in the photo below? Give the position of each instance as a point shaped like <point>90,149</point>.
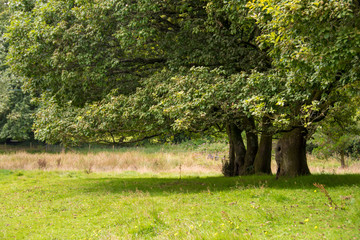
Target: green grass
<point>75,205</point>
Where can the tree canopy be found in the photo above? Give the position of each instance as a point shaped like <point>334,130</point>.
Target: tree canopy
<point>314,51</point>
<point>127,70</point>
<point>15,106</point>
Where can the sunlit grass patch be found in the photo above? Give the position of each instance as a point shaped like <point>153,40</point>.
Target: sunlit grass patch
<point>76,205</point>
<point>131,160</point>
<point>173,159</point>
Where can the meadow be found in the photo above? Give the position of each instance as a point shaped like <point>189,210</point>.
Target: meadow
<point>164,193</point>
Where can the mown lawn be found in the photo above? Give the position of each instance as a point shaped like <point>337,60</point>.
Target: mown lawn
<point>76,205</point>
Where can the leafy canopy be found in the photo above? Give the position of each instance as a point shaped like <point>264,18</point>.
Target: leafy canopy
<point>314,47</point>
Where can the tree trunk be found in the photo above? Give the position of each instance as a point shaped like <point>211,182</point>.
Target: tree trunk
<point>236,151</point>
<point>251,147</point>
<point>262,163</point>
<point>291,154</point>
<point>342,159</point>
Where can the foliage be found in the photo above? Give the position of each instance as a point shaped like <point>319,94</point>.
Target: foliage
<point>197,99</point>
<point>76,51</point>
<point>109,121</point>
<point>17,122</point>
<point>123,71</point>
<point>15,106</point>
<point>4,85</point>
<point>87,58</point>
<point>340,130</point>
<point>313,45</point>
<point>16,109</point>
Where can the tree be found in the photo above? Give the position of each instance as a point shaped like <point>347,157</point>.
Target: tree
<point>3,50</point>
<point>15,107</point>
<point>17,114</point>
<point>313,45</point>
<point>340,129</point>
<point>87,53</point>
<point>201,98</point>
<point>78,51</point>
<point>190,65</point>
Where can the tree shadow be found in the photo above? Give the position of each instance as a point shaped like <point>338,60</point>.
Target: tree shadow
<point>163,186</point>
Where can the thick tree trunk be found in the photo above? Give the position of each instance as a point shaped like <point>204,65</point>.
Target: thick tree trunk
<point>262,163</point>
<point>291,154</point>
<point>236,151</point>
<point>251,147</point>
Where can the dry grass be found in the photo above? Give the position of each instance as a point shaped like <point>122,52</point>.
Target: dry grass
<point>114,162</point>
<point>332,165</point>
<point>328,166</point>
<point>132,160</point>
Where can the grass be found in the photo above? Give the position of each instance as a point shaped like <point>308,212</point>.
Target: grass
<point>112,162</point>
<point>142,161</point>
<point>202,146</point>
<point>191,157</point>
<point>138,194</point>
<point>130,205</point>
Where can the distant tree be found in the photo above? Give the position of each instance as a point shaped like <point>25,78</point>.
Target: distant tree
<point>338,132</point>
<point>15,107</point>
<point>17,114</point>
<point>3,50</point>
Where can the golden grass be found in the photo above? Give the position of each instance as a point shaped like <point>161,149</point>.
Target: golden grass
<point>328,166</point>
<point>333,166</point>
<point>114,162</point>
<point>191,162</point>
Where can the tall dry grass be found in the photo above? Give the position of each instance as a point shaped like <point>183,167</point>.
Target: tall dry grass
<point>114,162</point>
<point>327,166</point>
<point>190,162</point>
<point>333,166</point>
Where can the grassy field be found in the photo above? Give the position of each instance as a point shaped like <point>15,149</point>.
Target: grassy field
<point>173,193</point>
<point>76,205</point>
<point>189,158</point>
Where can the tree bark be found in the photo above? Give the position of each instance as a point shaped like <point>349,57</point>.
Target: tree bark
<point>291,154</point>
<point>251,147</point>
<point>262,163</point>
<point>342,159</point>
<point>236,151</point>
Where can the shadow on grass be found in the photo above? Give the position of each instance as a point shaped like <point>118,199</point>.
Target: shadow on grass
<point>161,186</point>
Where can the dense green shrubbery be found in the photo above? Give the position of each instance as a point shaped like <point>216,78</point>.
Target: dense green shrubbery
<point>353,149</point>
